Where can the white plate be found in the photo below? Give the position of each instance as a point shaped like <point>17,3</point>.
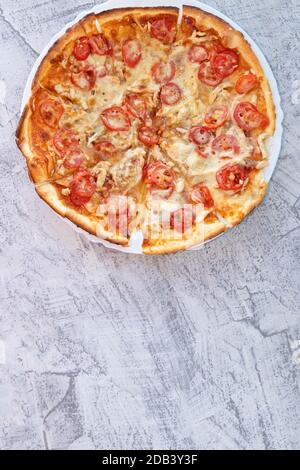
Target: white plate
<point>274,144</point>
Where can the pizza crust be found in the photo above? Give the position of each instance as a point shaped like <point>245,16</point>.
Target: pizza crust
<point>243,203</point>
<point>160,247</point>
<point>38,164</point>
<point>233,214</point>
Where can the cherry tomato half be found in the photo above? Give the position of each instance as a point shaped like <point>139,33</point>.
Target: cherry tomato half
<point>200,135</point>
<point>246,83</point>
<point>170,94</point>
<point>82,187</point>
<point>225,62</point>
<point>82,48</point>
<point>115,119</point>
<point>231,177</point>
<point>159,175</point>
<point>148,136</point>
<point>248,117</point>
<point>65,141</point>
<point>198,53</point>
<point>200,194</point>
<point>208,75</point>
<point>163,72</point>
<point>131,52</point>
<point>136,106</point>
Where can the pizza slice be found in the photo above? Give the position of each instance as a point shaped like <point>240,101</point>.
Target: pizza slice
<point>215,126</point>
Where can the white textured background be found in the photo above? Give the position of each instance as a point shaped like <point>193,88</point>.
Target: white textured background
<point>104,350</point>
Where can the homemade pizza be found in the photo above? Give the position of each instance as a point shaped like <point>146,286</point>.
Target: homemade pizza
<point>140,122</point>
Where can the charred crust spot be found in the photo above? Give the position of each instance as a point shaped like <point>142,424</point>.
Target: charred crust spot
<point>57,59</point>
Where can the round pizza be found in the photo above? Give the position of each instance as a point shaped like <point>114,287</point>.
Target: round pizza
<point>140,122</point>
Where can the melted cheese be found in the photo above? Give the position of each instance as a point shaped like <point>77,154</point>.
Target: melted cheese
<point>141,76</point>
<point>262,145</point>
<point>127,173</point>
<point>161,208</point>
<point>203,170</point>
<point>220,92</point>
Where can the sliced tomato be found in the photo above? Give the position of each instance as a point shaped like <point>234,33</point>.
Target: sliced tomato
<point>115,119</point>
<point>100,45</point>
<point>131,52</point>
<point>226,143</point>
<point>164,29</point>
<point>51,112</point>
<point>65,141</point>
<point>136,106</point>
<point>200,135</point>
<point>248,117</point>
<point>82,187</point>
<point>104,149</point>
<point>82,48</point>
<point>170,93</point>
<point>200,194</point>
<point>218,47</point>
<point>85,79</point>
<point>159,175</point>
<point>225,62</point>
<point>73,159</point>
<point>246,83</point>
<point>163,72</point>
<point>182,219</point>
<point>148,136</point>
<point>216,116</point>
<point>231,177</point>
<point>198,53</point>
<point>208,75</point>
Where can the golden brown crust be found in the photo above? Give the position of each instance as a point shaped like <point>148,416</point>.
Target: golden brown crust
<point>161,247</point>
<point>119,13</point>
<point>36,164</point>
<point>49,194</point>
<point>39,163</point>
<point>55,50</point>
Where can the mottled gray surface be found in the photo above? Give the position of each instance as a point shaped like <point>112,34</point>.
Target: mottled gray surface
<point>104,350</point>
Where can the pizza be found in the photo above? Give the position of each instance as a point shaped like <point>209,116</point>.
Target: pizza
<point>140,122</point>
